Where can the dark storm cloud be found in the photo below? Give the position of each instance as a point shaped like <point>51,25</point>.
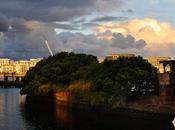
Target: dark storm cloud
<point>24,22</point>
<point>4,23</point>
<point>65,26</point>
<point>30,42</point>
<point>91,24</point>
<point>92,44</point>
<point>81,20</point>
<point>81,43</point>
<point>44,10</point>
<point>122,42</point>
<point>23,26</point>
<point>109,18</point>
<point>52,10</point>
<point>25,40</point>
<point>63,3</point>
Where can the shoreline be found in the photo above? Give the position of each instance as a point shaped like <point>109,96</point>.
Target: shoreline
<point>125,112</point>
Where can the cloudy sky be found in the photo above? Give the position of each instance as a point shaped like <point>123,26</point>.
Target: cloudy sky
<point>99,27</point>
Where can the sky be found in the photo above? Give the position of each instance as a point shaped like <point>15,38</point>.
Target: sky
<point>98,27</point>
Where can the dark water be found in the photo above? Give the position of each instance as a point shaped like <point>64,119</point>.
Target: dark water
<point>15,115</point>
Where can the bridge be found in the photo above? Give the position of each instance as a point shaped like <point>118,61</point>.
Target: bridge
<point>10,80</point>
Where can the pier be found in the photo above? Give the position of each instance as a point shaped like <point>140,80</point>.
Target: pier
<point>10,80</point>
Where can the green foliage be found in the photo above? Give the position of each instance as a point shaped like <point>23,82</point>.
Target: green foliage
<point>62,68</point>
<point>110,82</point>
<point>125,79</point>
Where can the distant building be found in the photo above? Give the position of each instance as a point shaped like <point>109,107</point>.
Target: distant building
<point>116,56</point>
<point>33,62</point>
<point>5,61</point>
<point>155,61</point>
<point>20,67</point>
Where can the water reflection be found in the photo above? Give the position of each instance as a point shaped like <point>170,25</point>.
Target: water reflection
<point>10,116</point>
<point>16,115</point>
<point>51,117</point>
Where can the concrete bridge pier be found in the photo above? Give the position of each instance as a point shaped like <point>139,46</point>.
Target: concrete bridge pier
<point>11,79</point>
<point>17,79</point>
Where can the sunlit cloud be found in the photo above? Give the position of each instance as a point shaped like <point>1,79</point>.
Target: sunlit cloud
<point>151,30</point>
<point>97,27</point>
<point>159,36</point>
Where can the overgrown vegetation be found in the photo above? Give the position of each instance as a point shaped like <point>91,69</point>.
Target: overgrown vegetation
<point>110,82</point>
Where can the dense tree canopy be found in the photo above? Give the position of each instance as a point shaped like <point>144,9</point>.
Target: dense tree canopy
<point>109,81</point>
<point>60,70</point>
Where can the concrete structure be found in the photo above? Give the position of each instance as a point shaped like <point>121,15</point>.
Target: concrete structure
<point>155,61</point>
<point>167,81</point>
<point>33,62</point>
<point>116,56</point>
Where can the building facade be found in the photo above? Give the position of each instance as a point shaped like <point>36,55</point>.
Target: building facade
<point>155,61</point>
<point>19,67</point>
<point>116,56</point>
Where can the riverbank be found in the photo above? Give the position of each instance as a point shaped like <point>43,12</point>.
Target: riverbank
<point>128,112</point>
<point>72,118</point>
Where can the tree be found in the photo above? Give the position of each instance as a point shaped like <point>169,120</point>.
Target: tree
<point>110,82</point>
<point>129,78</point>
<point>62,69</point>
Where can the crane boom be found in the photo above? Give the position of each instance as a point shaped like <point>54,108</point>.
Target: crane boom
<point>47,44</point>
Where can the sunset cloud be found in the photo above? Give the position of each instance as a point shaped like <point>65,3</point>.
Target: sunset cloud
<point>155,33</point>
<point>151,30</point>
<point>96,27</point>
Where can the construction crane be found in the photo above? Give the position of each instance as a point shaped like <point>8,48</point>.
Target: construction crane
<point>48,47</point>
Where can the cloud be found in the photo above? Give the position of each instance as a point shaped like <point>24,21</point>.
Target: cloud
<point>106,5</point>
<point>152,2</point>
<point>24,26</point>
<point>150,30</point>
<point>79,42</point>
<point>65,26</point>
<point>23,23</point>
<point>98,44</point>
<point>79,20</point>
<point>109,18</point>
<point>4,23</point>
<point>118,40</point>
<point>25,40</point>
<point>156,34</point>
<point>130,11</point>
<point>30,43</point>
<point>44,10</point>
<point>122,42</point>
<point>55,10</point>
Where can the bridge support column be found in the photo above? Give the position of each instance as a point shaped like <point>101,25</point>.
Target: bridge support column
<point>17,79</point>
<point>5,78</point>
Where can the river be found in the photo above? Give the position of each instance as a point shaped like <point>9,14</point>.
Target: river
<point>15,115</point>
